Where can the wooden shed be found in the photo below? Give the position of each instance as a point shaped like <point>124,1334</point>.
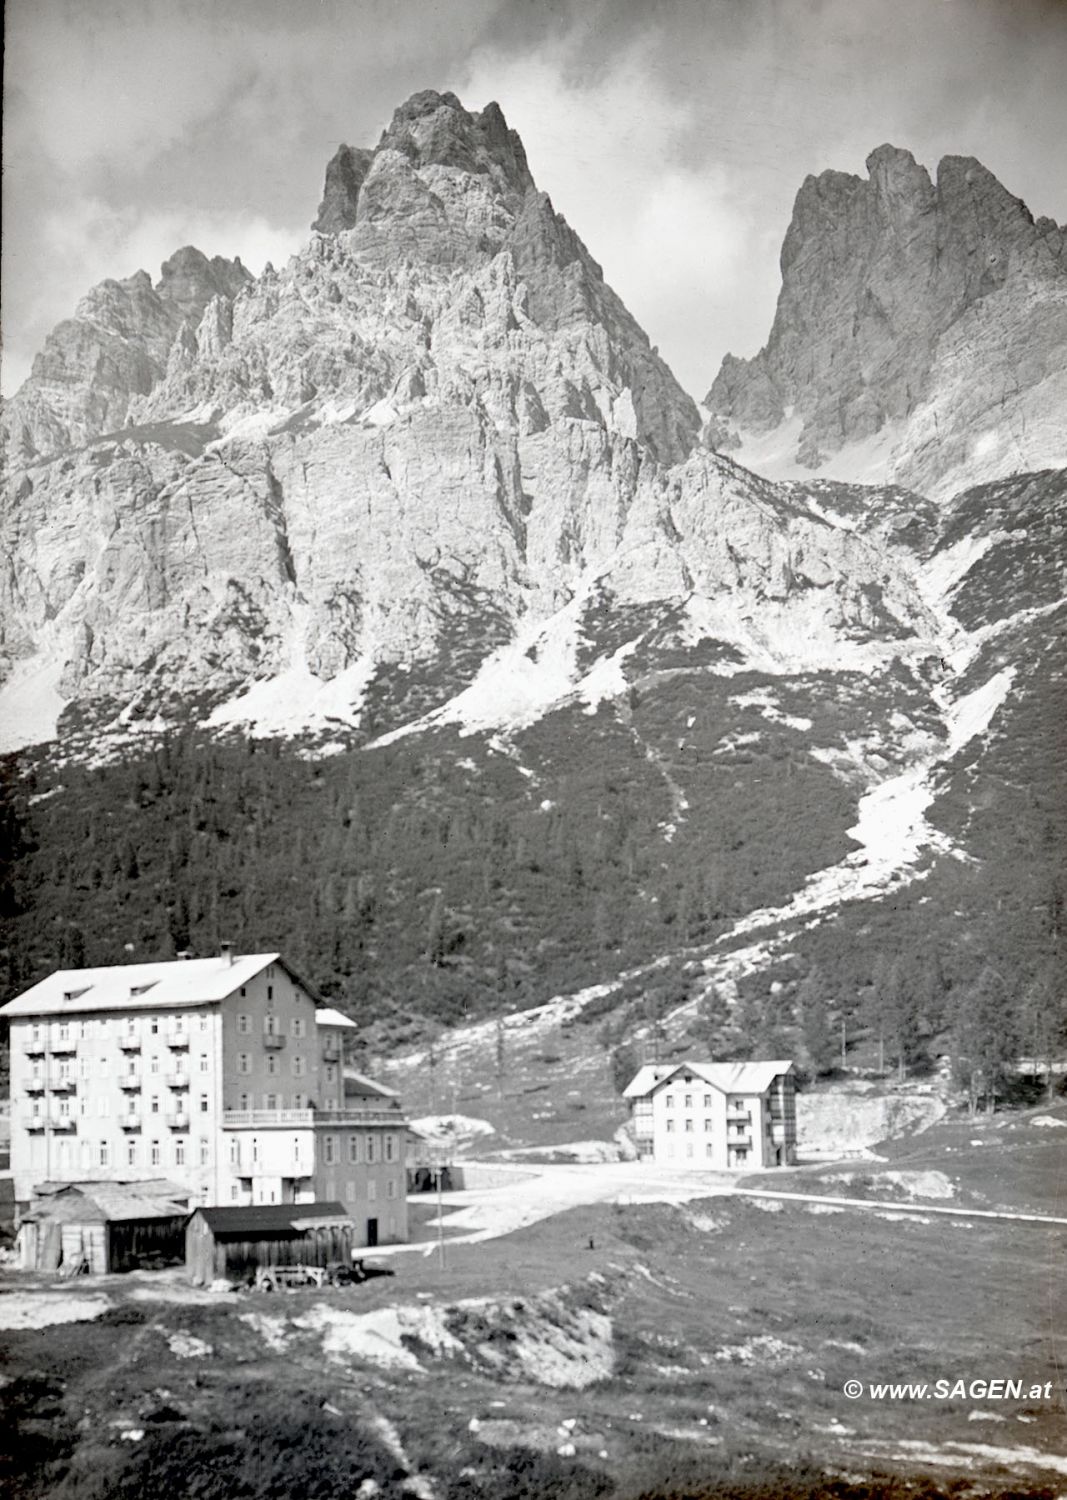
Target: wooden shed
<point>98,1227</point>
<point>232,1243</point>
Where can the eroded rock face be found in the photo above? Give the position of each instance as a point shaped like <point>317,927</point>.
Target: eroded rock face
<point>897,293</point>
<point>114,348</point>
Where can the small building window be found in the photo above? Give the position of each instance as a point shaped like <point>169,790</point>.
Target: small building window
<point>669,1100</point>
<point>235,1152</point>
<point>331,1073</point>
<point>153,1026</point>
<point>270,1025</point>
<point>244,1023</point>
<point>390,1188</point>
<point>670,1124</point>
<point>707,1101</point>
<point>272,1063</point>
<point>205,1151</point>
<point>131,1153</point>
<point>296,1026</point>
<point>105,1153</point>
<point>298,1065</point>
<point>707,1124</point>
<point>689,1101</point>
<point>370,1148</point>
<point>154,1105</point>
<point>270,1101</point>
<point>329,1146</point>
<point>244,1062</point>
<point>154,1153</point>
<point>390,1147</point>
<point>372,1190</point>
<point>203,1104</point>
<point>353,1148</point>
<point>205,1062</point>
<point>179,1152</point>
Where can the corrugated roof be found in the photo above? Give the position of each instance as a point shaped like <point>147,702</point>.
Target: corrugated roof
<point>730,1078</point>
<point>166,985</point>
<point>271,1218</point>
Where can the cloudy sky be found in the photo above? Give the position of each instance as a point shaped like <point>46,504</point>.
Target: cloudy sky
<point>673,134</point>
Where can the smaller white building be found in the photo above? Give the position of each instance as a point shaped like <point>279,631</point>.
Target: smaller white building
<point>715,1114</point>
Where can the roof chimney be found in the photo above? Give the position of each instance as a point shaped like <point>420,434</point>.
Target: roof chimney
<point>226,952</point>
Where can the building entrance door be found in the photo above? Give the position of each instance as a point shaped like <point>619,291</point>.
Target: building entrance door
<point>372,1231</point>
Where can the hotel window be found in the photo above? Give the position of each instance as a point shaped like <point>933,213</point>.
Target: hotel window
<point>203,1104</point>
<point>255,1149</point>
<point>131,1025</point>
<point>35,1031</point>
<point>84,1066</point>
<point>298,1066</point>
<point>328,1145</point>
<point>272,1063</point>
<point>707,1101</point>
<point>270,1025</point>
<point>372,1190</point>
<point>296,1026</point>
<point>131,1153</point>
<point>203,1022</point>
<point>64,1109</point>
<point>83,1030</point>
<point>235,1153</point>
<point>244,1063</point>
<point>353,1148</point>
<point>179,1152</point>
<point>689,1125</point>
<point>270,1101</point>
<point>709,1149</point>
<point>153,1026</point>
<point>270,993</point>
<point>153,1063</point>
<point>390,1188</point>
<point>244,1023</point>
<point>205,1062</point>
<point>233,1193</point>
<point>296,1150</point>
<point>331,1073</point>
<point>370,1148</point>
<point>205,1152</point>
<point>707,1125</point>
<point>64,1031</point>
<point>390,1147</point>
<point>689,1101</point>
<point>299,1101</point>
<point>669,1101</point>
<point>105,1153</point>
<point>179,1024</point>
<point>350,1196</point>
<point>670,1124</point>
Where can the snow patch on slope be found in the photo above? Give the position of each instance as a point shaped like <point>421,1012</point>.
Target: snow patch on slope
<point>296,700</point>
<point>31,703</point>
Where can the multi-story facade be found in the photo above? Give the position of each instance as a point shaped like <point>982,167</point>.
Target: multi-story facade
<point>221,1074</point>
<point>715,1114</point>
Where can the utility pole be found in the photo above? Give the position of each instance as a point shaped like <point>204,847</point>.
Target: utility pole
<point>440,1219</point>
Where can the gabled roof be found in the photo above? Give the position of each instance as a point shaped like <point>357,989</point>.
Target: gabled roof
<point>168,985</point>
<point>358,1085</point>
<point>331,1017</point>
<point>256,1219</point>
<point>107,1202</point>
<point>729,1078</point>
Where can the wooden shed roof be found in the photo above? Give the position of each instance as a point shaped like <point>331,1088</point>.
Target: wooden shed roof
<point>271,1219</point>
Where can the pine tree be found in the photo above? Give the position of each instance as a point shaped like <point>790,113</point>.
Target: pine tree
<point>820,1043</point>
<point>983,1039</point>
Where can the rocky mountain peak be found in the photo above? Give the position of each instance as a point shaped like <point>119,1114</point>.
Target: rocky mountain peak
<point>896,290</point>
<point>345,173</point>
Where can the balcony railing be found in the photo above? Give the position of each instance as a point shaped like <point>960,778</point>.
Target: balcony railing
<point>36,1122</point>
<point>177,1039</point>
<point>64,1046</point>
<point>35,1046</point>
<point>178,1119</point>
<point>177,1080</point>
<point>64,1085</point>
<point>273,1041</point>
<point>64,1122</point>
<point>131,1082</point>
<point>35,1085</point>
<point>331,1052</point>
<point>130,1043</point>
<point>269,1119</point>
<point>130,1122</point>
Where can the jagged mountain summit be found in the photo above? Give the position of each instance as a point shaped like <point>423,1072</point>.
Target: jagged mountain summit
<point>919,337</point>
<point>425,510</point>
<point>355,480</point>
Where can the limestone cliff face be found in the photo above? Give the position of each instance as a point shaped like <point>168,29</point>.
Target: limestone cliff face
<point>433,436</point>
<point>900,297</point>
<point>113,349</point>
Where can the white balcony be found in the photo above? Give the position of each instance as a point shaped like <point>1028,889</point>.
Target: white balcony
<point>177,1040</point>
<point>64,1046</point>
<point>35,1085</point>
<point>130,1043</point>
<point>131,1082</point>
<point>270,1119</point>
<point>36,1123</point>
<point>64,1085</point>
<point>177,1080</point>
<point>64,1122</point>
<point>273,1041</point>
<point>178,1119</point>
<point>131,1122</point>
